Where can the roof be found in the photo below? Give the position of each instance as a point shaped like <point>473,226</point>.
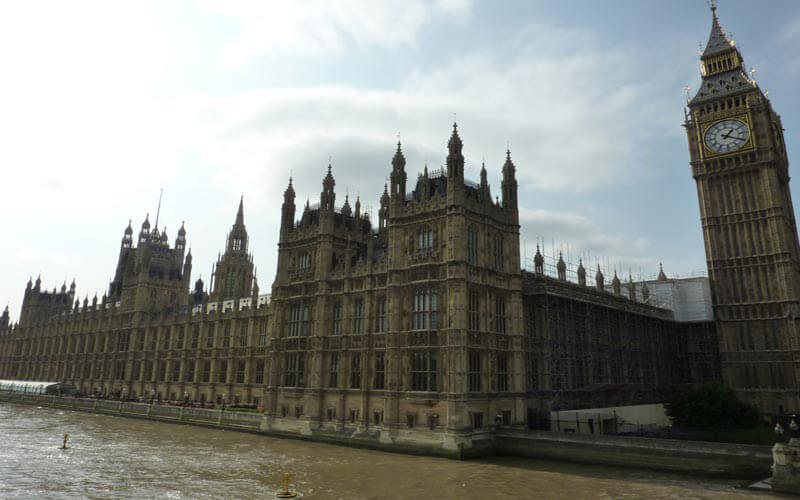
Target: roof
<point>724,84</point>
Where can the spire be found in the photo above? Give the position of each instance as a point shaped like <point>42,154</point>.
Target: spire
<point>661,275</point>
<point>237,237</point>
<point>240,213</point>
<point>398,160</point>
<point>598,278</point>
<point>722,66</point>
<point>328,180</point>
<point>346,211</point>
<point>129,229</point>
<point>158,212</point>
<point>631,287</point>
<point>509,169</point>
<point>581,273</point>
<point>358,207</point>
<point>561,266</point>
<point>615,284</point>
<point>182,230</point>
<point>385,195</point>
<point>538,262</point>
<point>398,175</point>
<point>455,144</point>
<point>289,193</point>
<point>718,41</point>
<point>327,198</point>
<point>509,184</point>
<point>455,159</point>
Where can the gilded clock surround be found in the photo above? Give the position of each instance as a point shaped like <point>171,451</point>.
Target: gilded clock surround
<point>705,127</point>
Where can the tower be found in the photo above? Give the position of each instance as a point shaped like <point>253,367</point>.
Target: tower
<point>151,276</point>
<point>233,274</point>
<point>739,162</point>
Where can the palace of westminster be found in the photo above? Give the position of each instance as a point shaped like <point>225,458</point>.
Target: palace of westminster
<point>424,326</point>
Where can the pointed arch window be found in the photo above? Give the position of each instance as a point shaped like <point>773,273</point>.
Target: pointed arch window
<point>472,245</point>
<point>425,315</point>
<point>425,239</point>
<point>304,261</point>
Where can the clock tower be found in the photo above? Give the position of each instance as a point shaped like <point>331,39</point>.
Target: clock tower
<point>739,161</point>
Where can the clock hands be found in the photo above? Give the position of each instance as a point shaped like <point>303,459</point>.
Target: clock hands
<point>728,136</point>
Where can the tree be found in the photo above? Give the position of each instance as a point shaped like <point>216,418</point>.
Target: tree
<point>711,407</point>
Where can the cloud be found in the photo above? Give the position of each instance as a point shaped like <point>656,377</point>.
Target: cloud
<point>579,237</point>
<point>323,27</point>
<point>579,116</point>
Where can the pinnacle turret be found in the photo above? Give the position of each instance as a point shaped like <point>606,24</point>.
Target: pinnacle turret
<point>455,159</point>
<point>661,275</point>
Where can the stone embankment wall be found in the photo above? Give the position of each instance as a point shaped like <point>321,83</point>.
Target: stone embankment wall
<point>687,457</point>
<point>669,455</point>
<point>411,441</point>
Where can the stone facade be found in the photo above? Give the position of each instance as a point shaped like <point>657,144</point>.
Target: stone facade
<point>739,160</point>
<point>422,332</point>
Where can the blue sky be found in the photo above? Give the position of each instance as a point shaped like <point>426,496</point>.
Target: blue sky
<point>105,103</point>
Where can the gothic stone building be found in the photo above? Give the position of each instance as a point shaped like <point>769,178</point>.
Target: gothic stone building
<point>420,333</point>
<point>739,160</point>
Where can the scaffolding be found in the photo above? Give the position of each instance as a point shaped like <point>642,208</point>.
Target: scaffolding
<point>591,349</point>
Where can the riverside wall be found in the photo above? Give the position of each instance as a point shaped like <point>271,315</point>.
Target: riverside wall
<point>686,457</point>
<point>697,458</point>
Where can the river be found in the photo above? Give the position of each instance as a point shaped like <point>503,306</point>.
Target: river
<point>117,457</point>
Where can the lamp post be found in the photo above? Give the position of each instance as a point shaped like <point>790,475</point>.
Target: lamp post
<point>223,401</point>
<point>793,429</point>
<point>185,399</point>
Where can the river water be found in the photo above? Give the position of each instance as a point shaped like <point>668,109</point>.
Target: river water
<point>117,457</point>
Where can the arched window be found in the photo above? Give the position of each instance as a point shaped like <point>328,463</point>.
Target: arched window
<point>472,245</point>
<point>304,261</point>
<point>425,315</point>
<point>499,252</point>
<point>425,239</point>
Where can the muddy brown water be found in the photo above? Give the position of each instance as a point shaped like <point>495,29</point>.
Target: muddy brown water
<point>116,457</point>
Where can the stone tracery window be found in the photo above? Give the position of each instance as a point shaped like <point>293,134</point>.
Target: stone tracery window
<point>424,366</point>
<point>304,261</point>
<point>295,367</point>
<point>425,240</point>
<point>472,245</point>
<point>299,315</point>
<point>425,314</point>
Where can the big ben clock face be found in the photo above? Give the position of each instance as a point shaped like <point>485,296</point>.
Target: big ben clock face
<point>727,136</point>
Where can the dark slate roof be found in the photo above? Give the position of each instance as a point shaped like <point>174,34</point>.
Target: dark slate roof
<point>724,84</point>
<point>435,185</point>
<point>718,41</point>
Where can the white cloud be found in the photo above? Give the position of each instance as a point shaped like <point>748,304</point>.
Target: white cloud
<point>324,27</point>
<point>91,151</point>
<point>579,237</point>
